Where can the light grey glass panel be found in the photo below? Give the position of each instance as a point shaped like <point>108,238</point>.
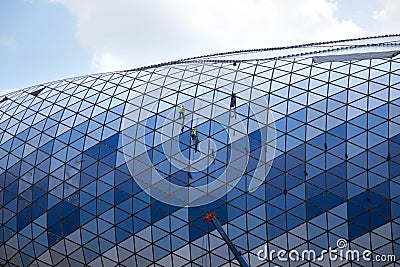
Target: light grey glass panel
<point>356,56</point>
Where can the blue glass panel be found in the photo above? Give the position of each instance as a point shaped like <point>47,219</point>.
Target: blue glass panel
<point>273,231</point>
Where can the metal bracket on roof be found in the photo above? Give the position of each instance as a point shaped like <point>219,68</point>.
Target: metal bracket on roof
<point>4,99</point>
<point>37,92</point>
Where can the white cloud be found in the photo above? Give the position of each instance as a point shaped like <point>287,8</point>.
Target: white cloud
<point>388,16</point>
<point>126,34</point>
<point>106,62</point>
<point>7,41</point>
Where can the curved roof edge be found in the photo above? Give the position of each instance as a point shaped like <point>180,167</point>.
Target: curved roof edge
<point>370,44</point>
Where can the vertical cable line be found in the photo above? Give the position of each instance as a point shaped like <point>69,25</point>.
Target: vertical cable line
<point>286,126</point>
<point>229,112</point>
<point>306,121</point>
<point>325,153</point>
<point>346,137</point>
<point>214,159</point>
<point>215,95</point>
<point>212,108</point>
<point>248,116</point>
<point>269,101</point>
<point>345,162</point>
<point>209,130</point>
<point>389,154</point>
<point>346,156</point>
<point>367,154</point>
<point>305,144</point>
<point>194,113</point>
<point>177,90</point>
<point>228,138</point>
<point>285,191</point>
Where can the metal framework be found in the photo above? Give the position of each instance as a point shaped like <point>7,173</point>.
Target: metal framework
<point>69,166</point>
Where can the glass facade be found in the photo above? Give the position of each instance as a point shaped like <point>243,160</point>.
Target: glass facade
<point>290,155</point>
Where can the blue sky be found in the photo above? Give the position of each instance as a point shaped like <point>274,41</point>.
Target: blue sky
<point>38,44</point>
<point>46,40</point>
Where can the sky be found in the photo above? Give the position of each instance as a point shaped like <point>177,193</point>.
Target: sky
<point>47,40</point>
